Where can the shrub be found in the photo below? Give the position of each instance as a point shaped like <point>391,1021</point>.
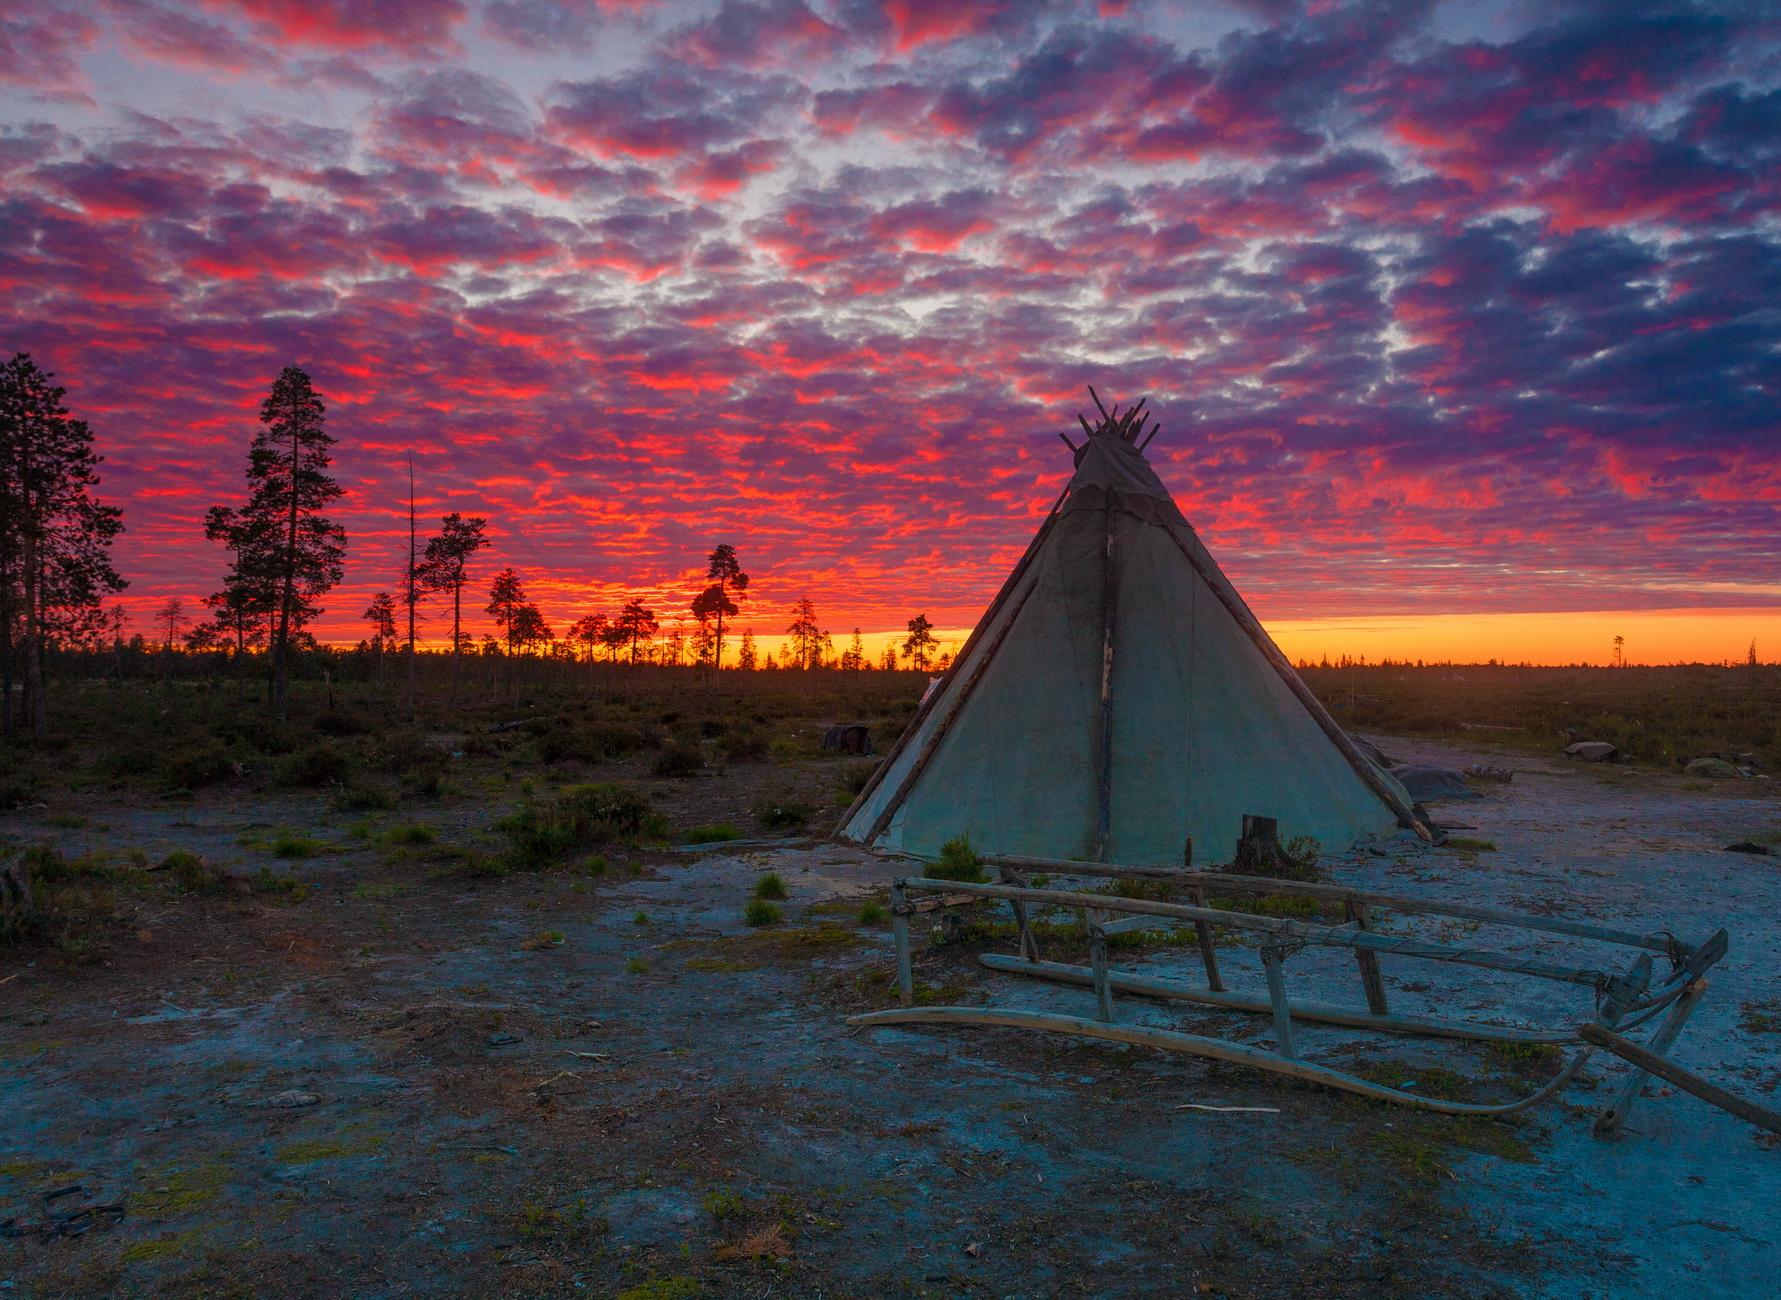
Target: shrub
<point>958,861</point>
<point>269,883</point>
<point>291,844</point>
<point>197,766</point>
<point>193,874</point>
<point>745,745</point>
<point>770,886</point>
<point>542,831</point>
<point>407,750</point>
<point>782,814</point>
<point>361,796</point>
<point>721,1203</point>
<point>413,833</point>
<point>760,912</point>
<point>855,775</point>
<point>714,834</point>
<point>873,913</point>
<point>313,765</point>
<point>678,761</point>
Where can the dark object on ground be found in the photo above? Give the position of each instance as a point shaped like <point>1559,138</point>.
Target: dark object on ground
<point>1749,846</point>
<point>1373,752</point>
<point>1431,784</point>
<point>502,1040</point>
<point>75,1222</point>
<point>15,883</point>
<point>1592,751</point>
<point>1485,772</point>
<point>848,738</point>
<point>1716,768</point>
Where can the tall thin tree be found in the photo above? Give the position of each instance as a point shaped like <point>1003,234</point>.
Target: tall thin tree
<point>281,539</point>
<point>726,577</point>
<point>446,567</point>
<point>55,535</point>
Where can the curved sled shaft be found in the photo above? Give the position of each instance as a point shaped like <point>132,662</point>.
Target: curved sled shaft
<point>1169,1040</point>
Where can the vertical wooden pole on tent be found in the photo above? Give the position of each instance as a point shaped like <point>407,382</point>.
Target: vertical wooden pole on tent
<point>1370,979</point>
<point>1272,962</point>
<point>1615,1112</point>
<point>1208,953</point>
<point>900,910</point>
<point>929,704</point>
<point>1097,960</point>
<point>1104,767</point>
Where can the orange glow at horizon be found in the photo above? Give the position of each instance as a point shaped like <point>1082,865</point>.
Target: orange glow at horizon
<point>1653,636</point>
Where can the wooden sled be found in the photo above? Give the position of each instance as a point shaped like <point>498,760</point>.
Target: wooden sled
<point>1622,1001</point>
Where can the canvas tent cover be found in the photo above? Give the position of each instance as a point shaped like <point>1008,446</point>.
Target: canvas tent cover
<point>1116,700</point>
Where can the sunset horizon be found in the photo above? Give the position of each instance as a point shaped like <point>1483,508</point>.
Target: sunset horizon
<point>1461,335</point>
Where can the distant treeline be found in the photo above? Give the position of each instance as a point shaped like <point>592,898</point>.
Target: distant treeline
<point>283,554</point>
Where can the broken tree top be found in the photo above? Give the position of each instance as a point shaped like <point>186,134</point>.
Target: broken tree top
<point>1119,700</point>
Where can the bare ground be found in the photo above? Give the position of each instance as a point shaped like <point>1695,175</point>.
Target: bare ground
<point>667,1103</point>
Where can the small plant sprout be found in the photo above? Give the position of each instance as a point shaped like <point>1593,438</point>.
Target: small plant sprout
<point>760,912</point>
<point>770,886</point>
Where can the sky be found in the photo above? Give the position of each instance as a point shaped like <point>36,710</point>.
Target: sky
<point>1458,317</point>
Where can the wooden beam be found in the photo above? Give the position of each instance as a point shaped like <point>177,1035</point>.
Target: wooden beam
<point>1149,986</point>
<point>1687,1080</point>
<point>1104,759</point>
<point>1335,936</point>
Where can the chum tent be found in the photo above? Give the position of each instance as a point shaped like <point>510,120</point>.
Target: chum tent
<point>1118,702</point>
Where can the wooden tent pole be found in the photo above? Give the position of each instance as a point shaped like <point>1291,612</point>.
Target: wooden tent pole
<point>1104,764</point>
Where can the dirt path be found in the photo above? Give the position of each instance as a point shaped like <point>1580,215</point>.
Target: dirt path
<point>610,1085</point>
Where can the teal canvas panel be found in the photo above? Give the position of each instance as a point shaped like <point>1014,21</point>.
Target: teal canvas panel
<point>1015,770</point>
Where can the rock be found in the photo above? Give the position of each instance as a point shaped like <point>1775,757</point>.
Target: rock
<point>1485,772</point>
<point>291,1099</point>
<point>502,1040</point>
<point>1716,768</point>
<point>1431,784</point>
<point>1749,846</point>
<point>848,738</point>
<point>1592,751</point>
<point>15,882</point>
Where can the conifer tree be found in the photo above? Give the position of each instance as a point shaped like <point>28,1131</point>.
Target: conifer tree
<point>285,548</point>
<point>446,567</point>
<point>381,615</point>
<point>745,656</point>
<point>920,645</point>
<point>638,622</point>
<point>715,603</point>
<point>55,535</point>
<point>506,598</point>
<point>809,642</point>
